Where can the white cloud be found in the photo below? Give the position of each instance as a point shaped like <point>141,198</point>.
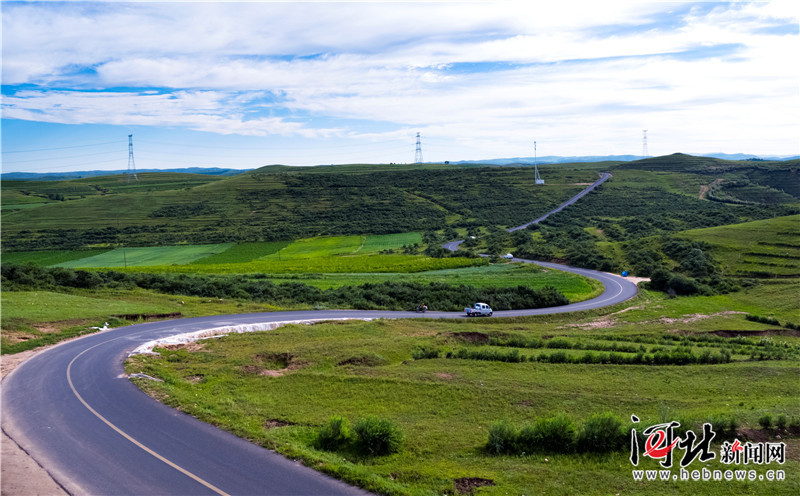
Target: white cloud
<point>582,73</point>
<point>208,111</point>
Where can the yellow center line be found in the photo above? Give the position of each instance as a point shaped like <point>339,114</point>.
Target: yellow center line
<point>130,438</point>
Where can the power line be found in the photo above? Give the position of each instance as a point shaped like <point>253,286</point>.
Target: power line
<point>61,147</point>
<point>12,162</point>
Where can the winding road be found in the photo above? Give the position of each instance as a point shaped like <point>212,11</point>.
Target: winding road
<point>73,409</point>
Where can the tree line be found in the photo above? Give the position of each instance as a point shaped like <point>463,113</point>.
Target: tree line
<point>372,296</point>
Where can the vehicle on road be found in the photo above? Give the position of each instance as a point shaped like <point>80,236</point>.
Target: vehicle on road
<point>508,256</point>
<point>421,308</point>
<point>478,310</point>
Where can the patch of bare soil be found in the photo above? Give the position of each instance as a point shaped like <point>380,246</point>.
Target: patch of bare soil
<point>443,375</point>
<point>599,323</point>
<point>256,370</point>
<point>266,364</point>
<point>465,485</point>
<point>273,423</point>
<point>46,328</point>
<point>195,379</point>
<point>470,337</point>
<point>281,359</point>
<point>688,319</point>
<point>363,360</point>
<point>754,435</point>
<point>703,191</point>
<point>190,346</point>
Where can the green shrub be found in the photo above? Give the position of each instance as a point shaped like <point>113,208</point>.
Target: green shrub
<point>502,439</point>
<point>781,421</point>
<point>601,433</point>
<point>423,352</point>
<point>765,421</point>
<point>376,436</point>
<point>334,435</point>
<point>553,435</point>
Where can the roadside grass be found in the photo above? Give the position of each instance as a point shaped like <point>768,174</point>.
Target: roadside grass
<point>765,247</point>
<point>445,406</point>
<point>147,256</point>
<point>36,318</point>
<point>777,300</point>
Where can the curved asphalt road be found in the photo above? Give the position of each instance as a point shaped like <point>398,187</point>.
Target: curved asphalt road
<point>72,408</point>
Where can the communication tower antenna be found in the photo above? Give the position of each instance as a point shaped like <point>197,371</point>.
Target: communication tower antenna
<point>644,144</point>
<point>418,153</point>
<point>537,179</point>
<point>131,163</point>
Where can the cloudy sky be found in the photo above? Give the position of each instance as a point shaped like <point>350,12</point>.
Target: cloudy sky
<point>254,83</point>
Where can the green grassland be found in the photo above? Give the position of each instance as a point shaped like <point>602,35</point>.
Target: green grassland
<point>143,257</point>
<point>343,223</point>
<point>298,377</point>
<point>769,247</point>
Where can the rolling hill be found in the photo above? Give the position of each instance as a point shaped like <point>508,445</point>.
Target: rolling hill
<point>284,203</point>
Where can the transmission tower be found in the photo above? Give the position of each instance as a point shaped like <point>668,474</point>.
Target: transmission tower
<point>537,179</point>
<point>644,144</point>
<point>418,153</point>
<point>131,163</point>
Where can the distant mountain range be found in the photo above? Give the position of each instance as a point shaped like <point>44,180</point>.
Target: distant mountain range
<point>216,171</point>
<point>64,176</point>
<point>554,159</point>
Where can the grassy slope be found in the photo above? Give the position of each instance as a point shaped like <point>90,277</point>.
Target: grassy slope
<point>446,406</point>
<point>769,246</point>
<point>275,202</point>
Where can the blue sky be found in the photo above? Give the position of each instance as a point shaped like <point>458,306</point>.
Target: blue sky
<point>220,84</point>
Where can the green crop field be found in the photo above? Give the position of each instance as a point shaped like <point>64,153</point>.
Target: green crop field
<point>244,252</point>
<point>446,406</point>
<point>143,257</point>
<point>297,265</point>
<point>50,257</point>
<point>318,248</point>
<point>381,242</point>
